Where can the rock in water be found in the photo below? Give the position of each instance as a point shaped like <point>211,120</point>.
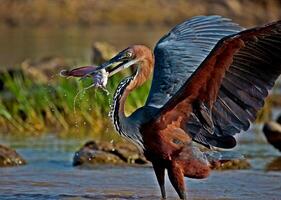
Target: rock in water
<point>231,164</point>
<point>90,154</point>
<point>9,157</point>
<point>274,165</point>
<point>129,153</point>
<point>93,153</point>
<point>272,132</point>
<point>227,160</point>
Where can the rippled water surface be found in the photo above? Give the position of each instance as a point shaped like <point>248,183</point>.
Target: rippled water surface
<point>49,175</point>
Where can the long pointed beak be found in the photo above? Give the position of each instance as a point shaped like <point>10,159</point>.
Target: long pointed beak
<point>123,64</point>
<point>120,61</point>
<point>112,61</point>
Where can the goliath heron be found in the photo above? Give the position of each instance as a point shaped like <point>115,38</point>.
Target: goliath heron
<point>210,78</point>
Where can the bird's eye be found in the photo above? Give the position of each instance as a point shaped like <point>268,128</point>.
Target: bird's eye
<point>129,54</point>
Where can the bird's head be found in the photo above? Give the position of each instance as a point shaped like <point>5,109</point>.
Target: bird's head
<point>134,55</point>
<point>138,55</point>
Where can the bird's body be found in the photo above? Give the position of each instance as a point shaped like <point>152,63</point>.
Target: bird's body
<point>210,79</point>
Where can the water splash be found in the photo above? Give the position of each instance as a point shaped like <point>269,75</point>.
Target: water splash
<point>76,125</point>
<point>84,90</point>
<point>75,99</point>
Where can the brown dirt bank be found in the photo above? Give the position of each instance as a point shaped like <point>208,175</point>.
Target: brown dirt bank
<point>56,13</point>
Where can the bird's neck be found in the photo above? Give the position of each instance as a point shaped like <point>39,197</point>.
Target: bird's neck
<point>117,113</point>
<point>127,85</point>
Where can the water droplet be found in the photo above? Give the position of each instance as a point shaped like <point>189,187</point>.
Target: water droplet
<point>75,99</point>
<point>76,124</point>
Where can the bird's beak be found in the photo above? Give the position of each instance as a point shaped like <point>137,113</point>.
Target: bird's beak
<point>120,59</point>
<point>119,63</point>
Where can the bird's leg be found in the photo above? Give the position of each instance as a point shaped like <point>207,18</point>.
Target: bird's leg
<point>160,175</point>
<point>176,177</point>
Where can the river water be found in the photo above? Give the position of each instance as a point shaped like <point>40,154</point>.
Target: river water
<point>50,175</point>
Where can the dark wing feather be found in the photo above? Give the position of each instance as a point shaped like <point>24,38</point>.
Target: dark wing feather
<point>179,53</point>
<point>230,85</point>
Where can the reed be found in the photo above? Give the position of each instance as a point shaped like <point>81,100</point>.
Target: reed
<point>63,105</point>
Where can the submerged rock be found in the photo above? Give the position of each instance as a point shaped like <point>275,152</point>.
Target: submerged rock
<point>129,153</point>
<point>94,157</point>
<point>274,165</point>
<point>92,153</point>
<point>272,132</point>
<point>9,157</point>
<point>226,160</point>
<point>232,165</point>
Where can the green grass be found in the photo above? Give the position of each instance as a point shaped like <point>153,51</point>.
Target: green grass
<point>62,105</point>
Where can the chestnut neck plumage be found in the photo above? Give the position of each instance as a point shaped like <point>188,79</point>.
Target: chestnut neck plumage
<point>126,127</point>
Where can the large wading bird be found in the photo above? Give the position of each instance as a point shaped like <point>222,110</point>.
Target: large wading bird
<point>210,78</point>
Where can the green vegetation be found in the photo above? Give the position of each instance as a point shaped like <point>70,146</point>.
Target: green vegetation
<point>30,106</point>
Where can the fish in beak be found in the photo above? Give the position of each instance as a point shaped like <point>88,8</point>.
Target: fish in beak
<point>99,77</point>
<point>100,74</point>
<point>121,61</point>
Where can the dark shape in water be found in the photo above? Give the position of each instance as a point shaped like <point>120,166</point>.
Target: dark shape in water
<point>272,132</point>
<point>93,153</point>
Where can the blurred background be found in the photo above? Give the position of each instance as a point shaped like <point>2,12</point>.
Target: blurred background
<point>32,29</point>
<point>47,118</point>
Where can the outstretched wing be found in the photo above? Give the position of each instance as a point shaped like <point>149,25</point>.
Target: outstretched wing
<point>224,94</point>
<point>179,53</point>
